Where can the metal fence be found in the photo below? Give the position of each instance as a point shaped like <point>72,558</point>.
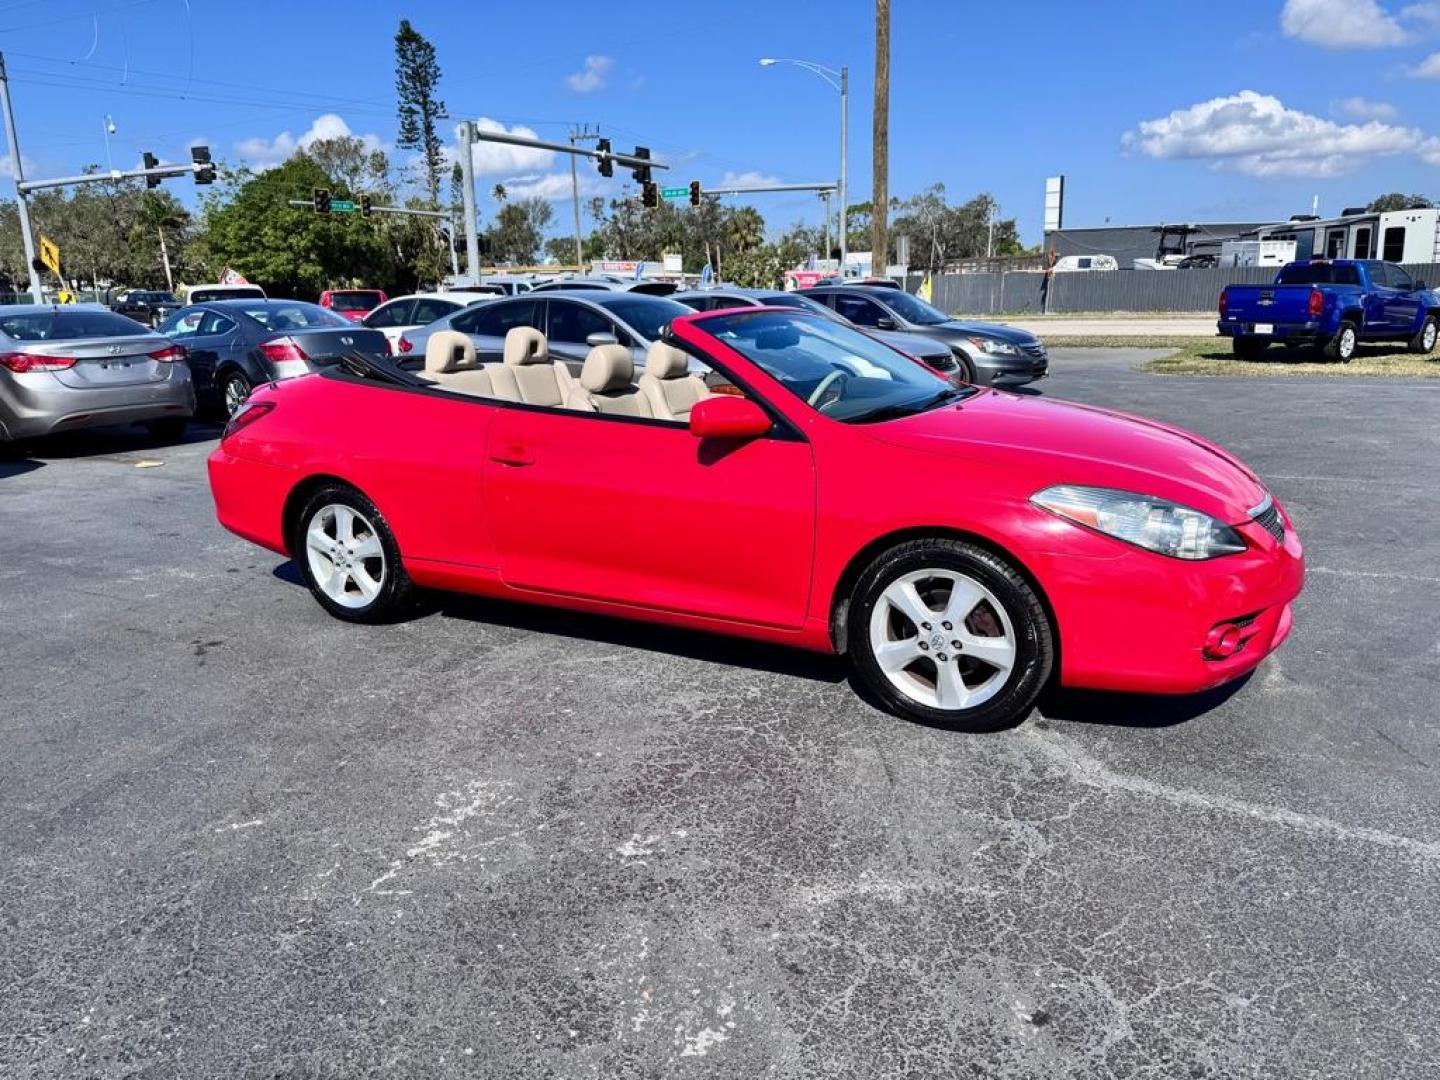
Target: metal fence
<point>1113,290</point>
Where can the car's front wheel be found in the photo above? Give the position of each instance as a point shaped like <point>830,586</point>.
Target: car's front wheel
<point>948,633</point>
<point>348,557</point>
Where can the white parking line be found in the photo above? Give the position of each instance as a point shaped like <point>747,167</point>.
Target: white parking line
<point>1422,578</point>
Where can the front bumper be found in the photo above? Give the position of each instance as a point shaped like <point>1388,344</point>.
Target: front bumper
<point>1014,370</point>
<point>1138,622</point>
<point>37,403</point>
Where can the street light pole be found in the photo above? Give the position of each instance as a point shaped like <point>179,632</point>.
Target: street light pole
<point>22,204</point>
<point>467,183</point>
<point>840,81</point>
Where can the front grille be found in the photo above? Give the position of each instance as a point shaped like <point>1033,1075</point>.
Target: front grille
<point>1269,520</point>
<point>1038,349</point>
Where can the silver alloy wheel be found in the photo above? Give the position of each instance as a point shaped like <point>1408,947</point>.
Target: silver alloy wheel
<point>1347,343</point>
<point>346,559</point>
<point>235,394</point>
<point>1427,336</point>
<point>942,639</point>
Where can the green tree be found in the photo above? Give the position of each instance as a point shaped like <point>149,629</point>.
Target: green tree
<point>349,164</point>
<point>519,230</point>
<point>1396,201</point>
<point>417,78</point>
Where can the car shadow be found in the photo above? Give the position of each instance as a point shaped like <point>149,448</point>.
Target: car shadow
<point>119,439</point>
<point>1114,709</point>
<point>17,466</point>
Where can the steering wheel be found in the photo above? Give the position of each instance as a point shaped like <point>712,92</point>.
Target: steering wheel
<point>827,386</point>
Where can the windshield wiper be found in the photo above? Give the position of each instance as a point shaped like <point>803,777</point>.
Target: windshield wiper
<point>911,408</point>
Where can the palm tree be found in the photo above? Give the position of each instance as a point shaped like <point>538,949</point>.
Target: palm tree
<point>498,193</point>
<point>744,229</point>
<point>880,160</point>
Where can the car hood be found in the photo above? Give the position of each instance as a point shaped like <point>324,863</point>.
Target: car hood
<point>914,344</point>
<point>1011,334</point>
<point>1040,442</point>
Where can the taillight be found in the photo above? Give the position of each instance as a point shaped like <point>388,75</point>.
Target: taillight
<point>169,355</point>
<point>406,344</point>
<point>1224,300</point>
<point>245,415</point>
<point>1316,306</point>
<point>282,349</point>
<point>22,363</point>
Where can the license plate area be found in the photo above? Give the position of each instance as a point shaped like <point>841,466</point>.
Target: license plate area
<point>1264,328</point>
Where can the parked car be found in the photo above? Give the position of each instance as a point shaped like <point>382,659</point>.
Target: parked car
<point>63,368</point>
<point>146,306</point>
<point>988,353</point>
<point>1332,306</point>
<point>963,549</point>
<point>573,322</point>
<point>394,317</point>
<point>932,353</point>
<point>354,304</point>
<point>235,345</point>
<point>204,294</point>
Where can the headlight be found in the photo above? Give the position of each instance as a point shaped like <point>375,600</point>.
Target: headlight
<point>993,347</point>
<point>1154,524</point>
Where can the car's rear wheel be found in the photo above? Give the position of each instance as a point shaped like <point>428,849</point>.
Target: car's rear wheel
<point>1424,340</point>
<point>1249,348</point>
<point>234,391</point>
<point>951,634</point>
<point>1342,346</point>
<point>348,557</point>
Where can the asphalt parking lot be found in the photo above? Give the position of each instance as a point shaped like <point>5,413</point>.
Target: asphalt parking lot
<point>239,838</point>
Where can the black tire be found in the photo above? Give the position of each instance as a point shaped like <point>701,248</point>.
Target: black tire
<point>1342,346</point>
<point>1424,340</point>
<point>964,370</point>
<point>1249,348</point>
<point>1034,643</point>
<point>395,596</point>
<point>167,428</point>
<point>234,389</point>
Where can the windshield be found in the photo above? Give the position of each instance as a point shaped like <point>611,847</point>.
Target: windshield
<point>914,309</point>
<point>647,315</point>
<point>354,301</point>
<point>293,316</point>
<point>68,325</point>
<point>1317,274</point>
<point>151,298</point>
<point>803,303</point>
<point>837,370</point>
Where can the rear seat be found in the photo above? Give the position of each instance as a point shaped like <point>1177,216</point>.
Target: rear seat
<point>605,384</point>
<point>528,374</point>
<point>450,363</point>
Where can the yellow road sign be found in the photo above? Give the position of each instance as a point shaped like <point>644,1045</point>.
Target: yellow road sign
<point>50,254</point>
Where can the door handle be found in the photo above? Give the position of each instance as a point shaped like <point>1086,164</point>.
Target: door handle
<point>513,454</point>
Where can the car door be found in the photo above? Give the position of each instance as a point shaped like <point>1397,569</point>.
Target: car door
<point>392,319</point>
<point>642,513</point>
<point>225,340</point>
<point>862,311</point>
<point>1378,298</point>
<point>183,328</point>
<point>568,327</point>
<point>1402,303</point>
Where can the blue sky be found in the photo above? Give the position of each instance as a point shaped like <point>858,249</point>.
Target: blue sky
<point>1153,111</point>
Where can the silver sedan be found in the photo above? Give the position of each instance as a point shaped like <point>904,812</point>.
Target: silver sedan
<point>75,366</point>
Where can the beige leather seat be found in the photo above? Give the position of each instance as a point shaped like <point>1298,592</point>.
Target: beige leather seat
<point>668,385</point>
<point>450,363</point>
<point>528,374</point>
<point>605,385</point>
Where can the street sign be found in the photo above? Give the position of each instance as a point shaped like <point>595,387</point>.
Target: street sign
<point>50,254</point>
<point>675,192</point>
<point>342,206</point>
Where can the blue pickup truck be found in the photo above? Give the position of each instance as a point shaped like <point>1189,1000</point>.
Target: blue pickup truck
<point>1333,306</point>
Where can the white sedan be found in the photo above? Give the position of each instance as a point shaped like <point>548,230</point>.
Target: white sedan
<point>394,317</point>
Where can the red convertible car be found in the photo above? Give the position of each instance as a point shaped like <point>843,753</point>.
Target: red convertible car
<point>811,487</point>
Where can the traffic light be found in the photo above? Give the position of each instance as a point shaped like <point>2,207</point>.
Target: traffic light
<point>322,200</point>
<point>603,162</point>
<point>694,192</point>
<point>151,162</point>
<point>641,172</point>
<point>200,155</point>
<point>364,205</point>
<point>649,195</point>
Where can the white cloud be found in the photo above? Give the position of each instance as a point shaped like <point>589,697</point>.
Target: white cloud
<point>492,158</point>
<point>262,153</point>
<point>1427,14</point>
<point>1257,135</point>
<point>1364,109</point>
<point>1341,24</point>
<point>592,75</point>
<point>8,170</point>
<point>547,186</point>
<point>1429,68</point>
<point>750,178</point>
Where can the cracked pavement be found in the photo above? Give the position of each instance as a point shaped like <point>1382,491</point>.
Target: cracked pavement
<point>241,839</point>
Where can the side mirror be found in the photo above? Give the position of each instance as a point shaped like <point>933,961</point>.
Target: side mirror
<point>726,417</point>
<point>1420,286</point>
<point>884,323</point>
<point>601,338</point>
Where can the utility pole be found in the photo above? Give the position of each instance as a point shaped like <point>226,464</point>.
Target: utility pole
<point>844,152</point>
<point>826,196</point>
<point>578,135</point>
<point>22,205</point>
<point>880,160</point>
<point>467,183</point>
<point>165,258</point>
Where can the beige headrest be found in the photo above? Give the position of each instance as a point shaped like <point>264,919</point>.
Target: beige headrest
<point>526,345</point>
<point>607,367</point>
<point>448,350</point>
<point>666,361</point>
